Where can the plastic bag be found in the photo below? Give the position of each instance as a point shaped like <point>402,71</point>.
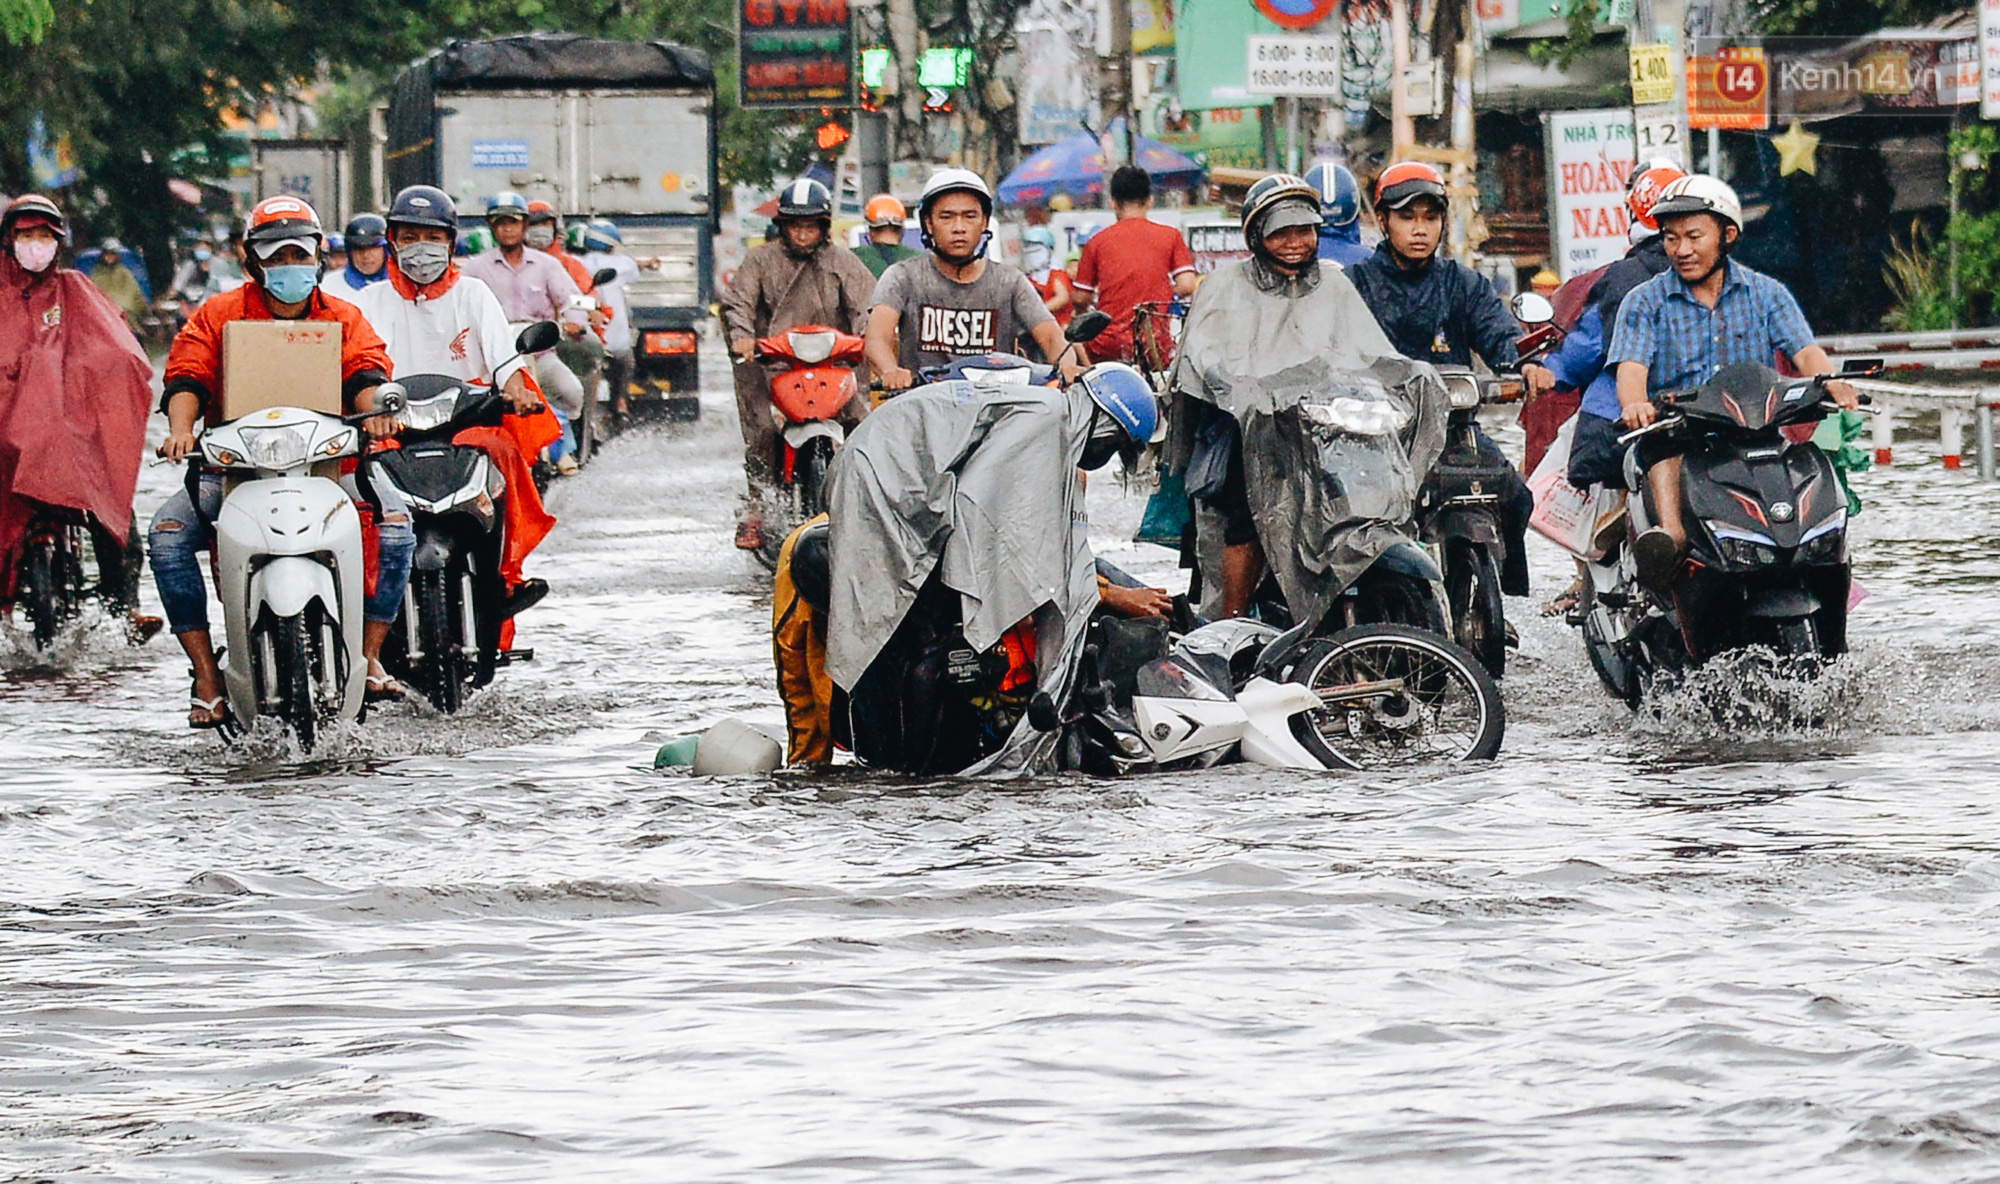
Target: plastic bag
<point>1565,515</point>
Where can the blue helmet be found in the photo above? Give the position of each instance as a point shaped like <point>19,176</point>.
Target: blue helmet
<point>1127,399</point>
<point>335,241</point>
<point>1339,193</point>
<point>507,204</point>
<point>602,234</point>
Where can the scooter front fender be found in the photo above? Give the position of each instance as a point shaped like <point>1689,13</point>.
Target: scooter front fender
<point>287,584</point>
<point>1267,737</point>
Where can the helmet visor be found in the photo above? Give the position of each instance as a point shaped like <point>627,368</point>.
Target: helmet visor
<point>266,248</point>
<point>1289,214</point>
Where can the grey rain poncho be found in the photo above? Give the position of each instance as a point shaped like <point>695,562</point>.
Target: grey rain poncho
<point>1338,428</point>
<point>981,484</point>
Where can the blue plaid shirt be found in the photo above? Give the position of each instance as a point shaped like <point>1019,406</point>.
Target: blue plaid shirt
<point>1682,343</point>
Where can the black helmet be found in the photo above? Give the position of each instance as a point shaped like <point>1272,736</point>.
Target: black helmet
<point>422,205</point>
<point>1277,201</point>
<point>805,198</point>
<point>365,230</point>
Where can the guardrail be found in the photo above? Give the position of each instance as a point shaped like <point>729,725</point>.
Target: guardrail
<point>1953,349</point>
<point>1954,406</point>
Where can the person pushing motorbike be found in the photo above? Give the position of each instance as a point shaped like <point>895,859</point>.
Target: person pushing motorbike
<point>283,261</point>
<point>1443,312</point>
<point>74,397</point>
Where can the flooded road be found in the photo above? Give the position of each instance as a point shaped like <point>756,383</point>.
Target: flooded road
<point>500,947</point>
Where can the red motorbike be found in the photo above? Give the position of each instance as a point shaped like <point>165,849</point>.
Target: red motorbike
<point>807,397</point>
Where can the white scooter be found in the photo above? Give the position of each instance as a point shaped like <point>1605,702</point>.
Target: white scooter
<point>289,564</point>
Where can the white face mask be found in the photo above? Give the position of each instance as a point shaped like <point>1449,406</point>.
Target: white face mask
<point>423,262</point>
<point>541,237</point>
<point>35,254</point>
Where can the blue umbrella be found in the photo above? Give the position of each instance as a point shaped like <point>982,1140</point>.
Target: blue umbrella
<point>1076,167</point>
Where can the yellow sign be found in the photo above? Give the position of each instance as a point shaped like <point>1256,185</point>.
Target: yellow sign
<point>1652,75</point>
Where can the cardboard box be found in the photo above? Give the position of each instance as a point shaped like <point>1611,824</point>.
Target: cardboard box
<point>280,364</point>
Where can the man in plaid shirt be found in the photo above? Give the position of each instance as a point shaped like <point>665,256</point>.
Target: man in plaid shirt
<point>1678,329</point>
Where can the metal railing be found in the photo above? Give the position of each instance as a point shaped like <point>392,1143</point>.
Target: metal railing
<point>1954,405</point>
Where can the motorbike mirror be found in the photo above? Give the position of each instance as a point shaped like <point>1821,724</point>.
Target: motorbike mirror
<point>1088,325</point>
<point>540,336</point>
<point>391,399</point>
<point>1533,308</point>
<point>603,276</point>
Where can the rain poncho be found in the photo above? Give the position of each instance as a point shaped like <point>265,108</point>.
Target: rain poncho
<point>980,484</point>
<point>1338,429</point>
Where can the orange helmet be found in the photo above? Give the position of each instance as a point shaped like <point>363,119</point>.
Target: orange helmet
<point>1649,180</point>
<point>283,219</point>
<point>541,211</point>
<point>1405,182</point>
<point>884,210</point>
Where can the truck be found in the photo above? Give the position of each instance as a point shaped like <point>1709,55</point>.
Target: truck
<point>623,130</point>
<point>313,169</point>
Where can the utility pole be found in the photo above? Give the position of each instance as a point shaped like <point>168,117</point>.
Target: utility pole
<point>1115,76</point>
<point>1401,125</point>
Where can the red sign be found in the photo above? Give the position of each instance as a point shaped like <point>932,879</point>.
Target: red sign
<point>1296,14</point>
<point>1729,89</point>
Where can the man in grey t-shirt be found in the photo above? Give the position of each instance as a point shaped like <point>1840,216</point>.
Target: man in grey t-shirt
<point>955,303</point>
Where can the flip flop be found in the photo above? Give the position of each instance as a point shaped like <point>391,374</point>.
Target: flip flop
<point>217,709</point>
<point>140,630</point>
<point>383,688</point>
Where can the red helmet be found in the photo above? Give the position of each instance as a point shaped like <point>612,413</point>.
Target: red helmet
<point>541,211</point>
<point>278,220</point>
<point>1405,182</point>
<point>32,209</point>
<point>1648,182</point>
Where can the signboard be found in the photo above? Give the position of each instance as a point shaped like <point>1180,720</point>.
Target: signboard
<point>1989,59</point>
<point>1652,75</point>
<point>1730,88</point>
<point>1055,85</point>
<point>1305,67</point>
<point>795,53</point>
<point>1657,135</point>
<point>499,154</point>
<point>1958,73</point>
<point>1296,14</point>
<point>1214,244</point>
<point>1209,58</point>
<point>1590,158</point>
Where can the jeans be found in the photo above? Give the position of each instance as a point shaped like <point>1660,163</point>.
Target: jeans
<point>180,536</point>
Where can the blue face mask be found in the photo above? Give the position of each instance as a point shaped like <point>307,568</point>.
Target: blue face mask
<point>291,284</point>
<point>203,254</point>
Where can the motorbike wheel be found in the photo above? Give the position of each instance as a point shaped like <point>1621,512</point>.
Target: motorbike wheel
<point>1478,614</point>
<point>1619,674</point>
<point>437,670</point>
<point>39,592</point>
<point>291,652</point>
<point>810,474</point>
<point>1446,707</point>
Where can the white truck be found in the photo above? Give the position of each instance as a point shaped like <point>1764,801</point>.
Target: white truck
<point>623,130</point>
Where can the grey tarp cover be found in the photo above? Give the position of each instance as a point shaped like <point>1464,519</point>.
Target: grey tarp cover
<point>980,483</point>
<point>537,60</point>
<point>1266,352</point>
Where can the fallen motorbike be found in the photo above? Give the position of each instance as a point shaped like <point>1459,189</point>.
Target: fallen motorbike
<point>289,564</point>
<point>1766,518</point>
<point>447,642</point>
<point>807,398</point>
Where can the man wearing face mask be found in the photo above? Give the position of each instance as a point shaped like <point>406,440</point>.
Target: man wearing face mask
<point>533,286</point>
<point>282,263</point>
<point>367,258</point>
<point>436,320</point>
<point>74,398</point>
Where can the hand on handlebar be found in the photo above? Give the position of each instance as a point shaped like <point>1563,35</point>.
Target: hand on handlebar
<point>1639,415</point>
<point>745,348</point>
<point>1072,363</point>
<point>1536,378</point>
<point>897,379</point>
<point>177,445</point>
<point>381,427</point>
<point>1844,394</point>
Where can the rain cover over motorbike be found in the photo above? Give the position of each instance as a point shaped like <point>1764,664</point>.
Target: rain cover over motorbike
<point>979,484</point>
<point>1338,428</point>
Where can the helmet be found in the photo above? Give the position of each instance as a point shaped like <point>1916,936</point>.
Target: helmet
<point>1267,195</point>
<point>506,204</point>
<point>34,209</point>
<point>1339,193</point>
<point>602,235</point>
<point>422,205</point>
<point>804,198</point>
<point>1127,400</point>
<point>366,230</point>
<point>1405,182</point>
<point>884,210</point>
<point>1700,194</point>
<point>335,241</point>
<point>1648,181</point>
<point>281,220</point>
<point>1040,236</point>
<point>954,181</point>
<point>475,240</point>
<point>541,211</point>
<point>575,240</point>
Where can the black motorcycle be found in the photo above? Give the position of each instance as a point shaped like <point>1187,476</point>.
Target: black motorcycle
<point>447,640</point>
<point>1766,519</point>
<point>49,582</point>
<point>1458,515</point>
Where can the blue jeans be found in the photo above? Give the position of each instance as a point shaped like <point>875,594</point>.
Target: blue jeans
<point>180,536</point>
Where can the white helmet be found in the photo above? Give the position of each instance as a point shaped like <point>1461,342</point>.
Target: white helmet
<point>954,181</point>
<point>1700,194</point>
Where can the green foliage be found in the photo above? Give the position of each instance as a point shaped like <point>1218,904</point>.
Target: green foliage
<point>1918,275</point>
<point>1580,35</point>
<point>1921,275</point>
<point>23,22</point>
<point>1846,18</point>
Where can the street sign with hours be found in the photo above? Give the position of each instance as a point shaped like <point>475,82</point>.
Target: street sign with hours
<point>1306,67</point>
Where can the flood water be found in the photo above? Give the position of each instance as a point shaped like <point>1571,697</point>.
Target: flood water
<point>501,947</point>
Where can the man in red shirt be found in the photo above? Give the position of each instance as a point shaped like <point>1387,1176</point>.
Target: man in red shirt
<point>1133,261</point>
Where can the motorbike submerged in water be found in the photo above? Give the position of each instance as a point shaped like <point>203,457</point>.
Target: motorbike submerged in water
<point>1766,517</point>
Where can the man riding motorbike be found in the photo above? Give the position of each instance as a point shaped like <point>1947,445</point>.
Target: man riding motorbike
<point>434,319</point>
<point>532,286</point>
<point>1443,312</point>
<point>367,239</point>
<point>961,579</point>
<point>884,248</point>
<point>1266,337</point>
<point>282,264</point>
<point>74,397</point>
<point>800,276</point>
<point>1340,209</point>
<point>1677,330</point>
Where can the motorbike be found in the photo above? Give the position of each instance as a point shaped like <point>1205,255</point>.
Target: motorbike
<point>447,640</point>
<point>1766,519</point>
<point>807,397</point>
<point>289,564</point>
<point>49,581</point>
<point>1458,517</point>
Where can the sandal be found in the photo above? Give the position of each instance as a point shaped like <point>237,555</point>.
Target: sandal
<point>1565,602</point>
<point>383,688</point>
<point>139,630</point>
<point>217,710</point>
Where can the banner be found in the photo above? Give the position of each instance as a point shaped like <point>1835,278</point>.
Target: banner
<point>794,53</point>
<point>1055,85</point>
<point>1729,87</point>
<point>1590,158</point>
<point>1209,59</point>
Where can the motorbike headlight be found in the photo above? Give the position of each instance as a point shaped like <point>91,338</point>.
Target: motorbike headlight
<point>1827,542</point>
<point>434,412</point>
<point>1745,549</point>
<point>1464,391</point>
<point>274,448</point>
<point>1360,417</point>
<point>338,443</point>
<point>811,348</point>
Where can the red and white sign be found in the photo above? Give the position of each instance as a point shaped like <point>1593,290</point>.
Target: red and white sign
<point>1731,89</point>
<point>1590,157</point>
<point>1989,59</point>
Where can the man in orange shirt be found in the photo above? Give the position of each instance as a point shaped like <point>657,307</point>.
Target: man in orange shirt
<point>1133,261</point>
<point>284,254</point>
